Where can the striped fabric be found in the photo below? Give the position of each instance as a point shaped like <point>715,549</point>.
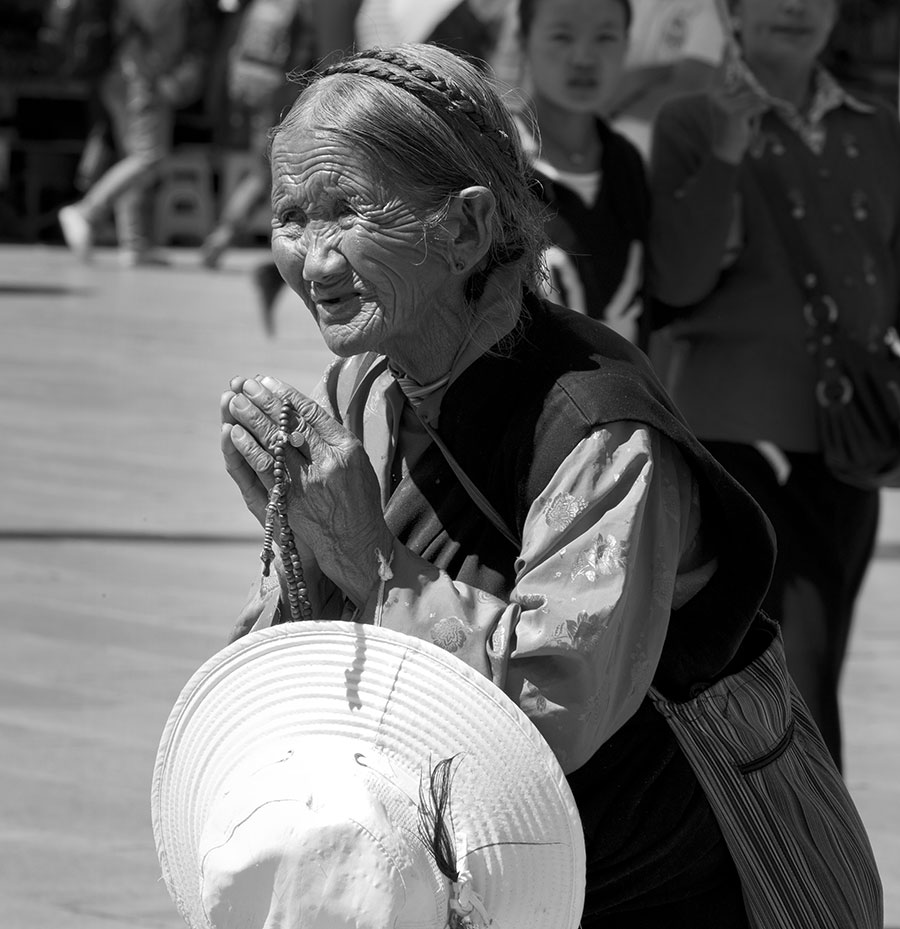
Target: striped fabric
<point>796,838</point>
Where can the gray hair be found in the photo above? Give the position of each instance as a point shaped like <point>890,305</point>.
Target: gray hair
<point>433,124</point>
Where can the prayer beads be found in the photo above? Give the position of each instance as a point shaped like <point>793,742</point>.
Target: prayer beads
<point>277,517</point>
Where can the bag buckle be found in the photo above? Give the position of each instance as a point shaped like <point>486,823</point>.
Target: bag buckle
<point>837,391</point>
<point>815,318</point>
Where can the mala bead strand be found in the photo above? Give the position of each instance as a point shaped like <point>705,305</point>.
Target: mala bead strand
<point>276,513</point>
<point>267,555</point>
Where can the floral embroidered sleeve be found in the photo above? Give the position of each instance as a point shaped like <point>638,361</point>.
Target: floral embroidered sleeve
<point>609,547</point>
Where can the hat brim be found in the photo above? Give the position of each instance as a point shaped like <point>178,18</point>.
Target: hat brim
<point>416,704</point>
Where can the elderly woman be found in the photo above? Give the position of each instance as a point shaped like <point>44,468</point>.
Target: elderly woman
<point>496,474</point>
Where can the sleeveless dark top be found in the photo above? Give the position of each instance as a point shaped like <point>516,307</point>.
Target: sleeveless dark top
<point>598,237</point>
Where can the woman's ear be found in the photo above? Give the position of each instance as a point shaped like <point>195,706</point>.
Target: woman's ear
<point>468,228</point>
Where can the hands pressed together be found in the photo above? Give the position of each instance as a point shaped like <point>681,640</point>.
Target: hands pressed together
<point>334,500</point>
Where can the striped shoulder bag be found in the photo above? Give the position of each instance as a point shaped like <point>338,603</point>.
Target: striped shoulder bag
<point>796,838</point>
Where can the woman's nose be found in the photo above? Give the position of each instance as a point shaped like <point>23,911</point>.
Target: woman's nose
<point>322,259</point>
<point>584,52</point>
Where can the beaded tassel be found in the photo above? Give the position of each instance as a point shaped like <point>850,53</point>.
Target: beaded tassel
<point>276,514</point>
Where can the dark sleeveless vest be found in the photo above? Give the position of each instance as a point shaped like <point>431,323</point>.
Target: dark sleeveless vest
<point>510,420</point>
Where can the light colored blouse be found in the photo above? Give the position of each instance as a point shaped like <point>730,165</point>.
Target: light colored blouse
<point>610,547</point>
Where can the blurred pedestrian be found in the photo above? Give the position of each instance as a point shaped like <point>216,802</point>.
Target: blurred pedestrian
<point>675,48</point>
<point>159,50</point>
<point>591,178</point>
<point>273,37</point>
<point>777,195</point>
<point>276,38</point>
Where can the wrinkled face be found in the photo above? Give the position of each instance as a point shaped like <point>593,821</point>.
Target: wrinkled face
<point>575,51</point>
<point>352,248</point>
<point>789,31</point>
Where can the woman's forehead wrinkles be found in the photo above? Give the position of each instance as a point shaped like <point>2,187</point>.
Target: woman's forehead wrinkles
<point>329,169</point>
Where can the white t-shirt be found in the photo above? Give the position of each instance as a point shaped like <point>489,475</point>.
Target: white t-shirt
<point>587,186</point>
<point>390,22</point>
<point>666,31</point>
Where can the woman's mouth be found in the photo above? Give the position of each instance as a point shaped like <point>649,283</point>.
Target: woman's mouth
<point>793,32</point>
<point>336,306</point>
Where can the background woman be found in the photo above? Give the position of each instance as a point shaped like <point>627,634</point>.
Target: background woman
<point>775,191</point>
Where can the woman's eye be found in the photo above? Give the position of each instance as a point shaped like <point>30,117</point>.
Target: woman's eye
<point>293,217</point>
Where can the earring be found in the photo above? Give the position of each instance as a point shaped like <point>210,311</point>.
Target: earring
<point>459,265</point>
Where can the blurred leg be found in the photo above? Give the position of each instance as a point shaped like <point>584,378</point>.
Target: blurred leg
<point>147,140</point>
<point>252,189</point>
<point>826,535</point>
<point>269,284</point>
<point>143,129</point>
<point>243,201</point>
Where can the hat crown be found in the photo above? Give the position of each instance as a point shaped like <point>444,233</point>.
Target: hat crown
<point>325,839</point>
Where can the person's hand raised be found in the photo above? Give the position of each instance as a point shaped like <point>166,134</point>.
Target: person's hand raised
<point>334,501</point>
<point>737,103</point>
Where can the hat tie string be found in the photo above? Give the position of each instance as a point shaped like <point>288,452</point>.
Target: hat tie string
<point>464,899</point>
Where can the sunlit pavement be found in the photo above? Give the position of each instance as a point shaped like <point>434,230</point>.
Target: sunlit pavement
<point>125,553</point>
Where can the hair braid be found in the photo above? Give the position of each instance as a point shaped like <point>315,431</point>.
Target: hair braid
<point>424,84</point>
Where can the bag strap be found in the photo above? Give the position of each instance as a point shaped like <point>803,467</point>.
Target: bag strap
<point>375,366</point>
<point>801,260</point>
<point>478,498</point>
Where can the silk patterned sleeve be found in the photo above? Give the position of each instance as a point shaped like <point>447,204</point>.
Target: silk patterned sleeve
<point>578,641</point>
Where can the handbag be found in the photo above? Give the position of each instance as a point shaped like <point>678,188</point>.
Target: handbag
<point>857,386</point>
<point>793,831</point>
<point>857,399</point>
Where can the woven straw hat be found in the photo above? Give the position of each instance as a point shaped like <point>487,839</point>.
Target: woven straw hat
<point>304,767</point>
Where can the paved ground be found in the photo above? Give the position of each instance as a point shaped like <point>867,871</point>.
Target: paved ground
<point>124,552</point>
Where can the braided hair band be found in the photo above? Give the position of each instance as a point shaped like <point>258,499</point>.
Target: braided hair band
<point>440,94</point>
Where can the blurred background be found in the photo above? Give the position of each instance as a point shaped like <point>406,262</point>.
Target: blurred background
<point>46,117</point>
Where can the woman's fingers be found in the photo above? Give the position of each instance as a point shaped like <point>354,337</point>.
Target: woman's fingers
<point>253,453</point>
<point>257,408</point>
<point>746,102</point>
<point>315,428</point>
<point>262,397</point>
<point>224,407</point>
<point>322,424</point>
<point>247,414</point>
<point>251,483</point>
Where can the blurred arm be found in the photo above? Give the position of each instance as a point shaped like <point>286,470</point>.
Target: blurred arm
<point>693,196</point>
